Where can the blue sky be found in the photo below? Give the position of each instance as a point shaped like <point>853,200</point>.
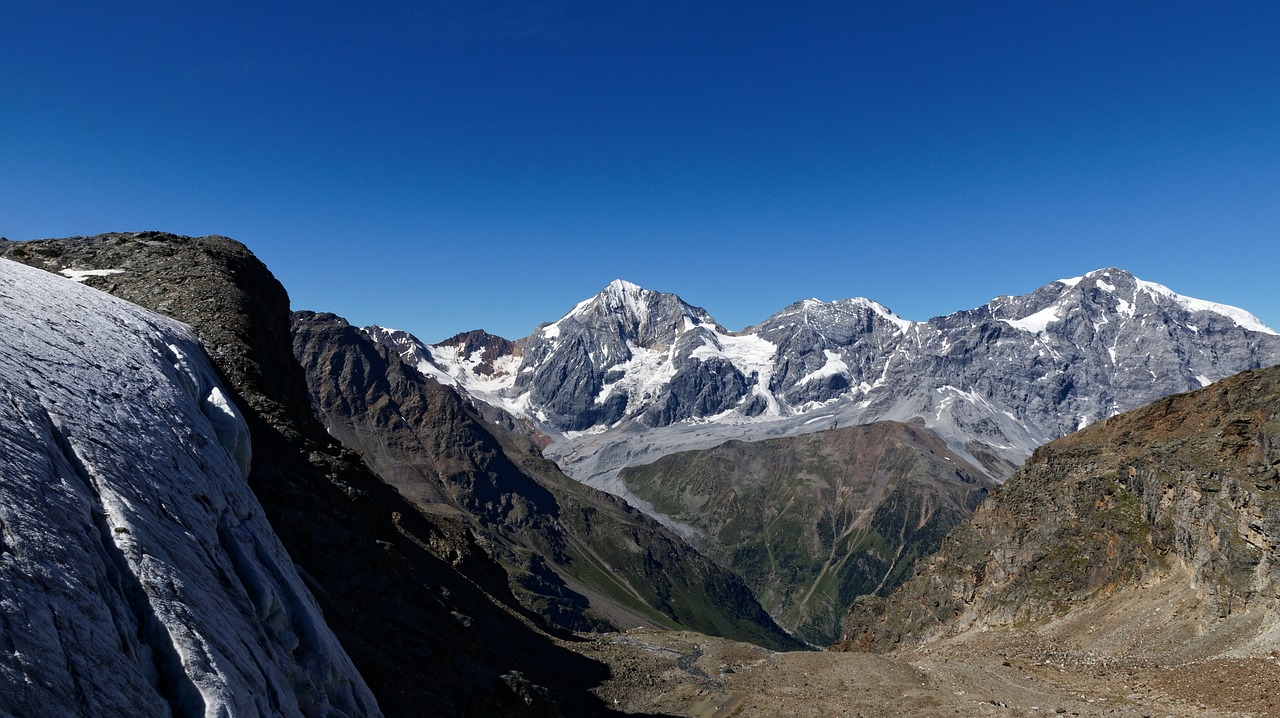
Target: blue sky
<point>444,166</point>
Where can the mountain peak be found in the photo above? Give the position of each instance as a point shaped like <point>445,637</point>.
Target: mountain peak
<point>634,304</point>
<point>622,286</point>
<point>1121,292</point>
<point>1115,280</point>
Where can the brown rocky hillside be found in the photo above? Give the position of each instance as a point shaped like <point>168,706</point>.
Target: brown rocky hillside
<point>1181,495</point>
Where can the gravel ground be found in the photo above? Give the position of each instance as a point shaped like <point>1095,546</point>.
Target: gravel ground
<point>689,674</point>
<point>1147,651</point>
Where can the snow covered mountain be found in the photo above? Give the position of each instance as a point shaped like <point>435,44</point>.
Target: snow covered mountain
<point>631,374</point>
<point>138,574</point>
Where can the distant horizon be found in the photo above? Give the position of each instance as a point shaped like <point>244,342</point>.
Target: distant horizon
<point>710,310</point>
<point>445,167</point>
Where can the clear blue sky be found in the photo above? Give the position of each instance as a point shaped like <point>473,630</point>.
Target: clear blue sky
<point>443,166</point>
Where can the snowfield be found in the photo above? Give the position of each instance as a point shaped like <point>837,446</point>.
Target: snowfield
<point>138,575</point>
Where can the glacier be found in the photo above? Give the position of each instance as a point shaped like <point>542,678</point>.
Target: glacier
<point>138,574</point>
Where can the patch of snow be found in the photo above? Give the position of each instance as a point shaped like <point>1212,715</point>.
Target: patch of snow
<point>79,275</point>
<point>1071,282</point>
<point>593,431</point>
<point>835,366</point>
<point>1037,322</point>
<point>619,296</point>
<point>1204,380</point>
<point>426,368</point>
<point>750,354</point>
<point>951,393</point>
<point>644,376</point>
<point>902,324</point>
<point>463,372</point>
<point>1242,318</point>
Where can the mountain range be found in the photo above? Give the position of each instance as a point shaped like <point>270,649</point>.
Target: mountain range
<point>272,513</point>
<point>631,374</point>
<point>641,394</point>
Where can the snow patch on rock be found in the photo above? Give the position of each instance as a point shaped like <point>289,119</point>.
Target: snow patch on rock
<point>79,275</point>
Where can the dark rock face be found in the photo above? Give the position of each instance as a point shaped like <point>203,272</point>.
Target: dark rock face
<point>816,520</point>
<point>697,393</point>
<point>579,557</point>
<point>1189,480</point>
<point>423,611</point>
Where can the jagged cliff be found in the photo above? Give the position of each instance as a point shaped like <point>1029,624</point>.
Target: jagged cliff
<point>1184,490</point>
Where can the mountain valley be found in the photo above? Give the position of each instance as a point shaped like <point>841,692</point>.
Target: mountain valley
<point>814,521</point>
<point>582,559</point>
<point>834,455</point>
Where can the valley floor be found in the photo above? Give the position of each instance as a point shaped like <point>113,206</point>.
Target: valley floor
<point>688,674</point>
<point>1144,650</point>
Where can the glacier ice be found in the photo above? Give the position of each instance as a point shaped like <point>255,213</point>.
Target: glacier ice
<point>138,574</point>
